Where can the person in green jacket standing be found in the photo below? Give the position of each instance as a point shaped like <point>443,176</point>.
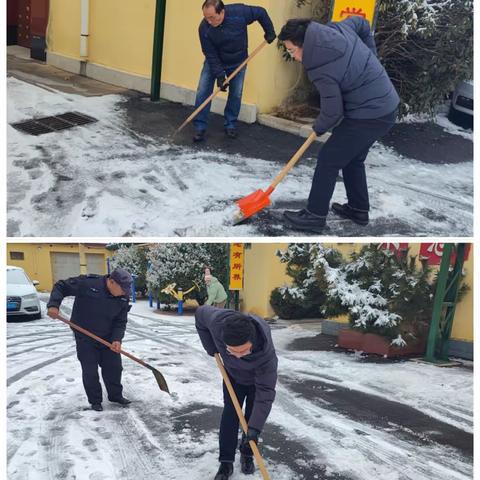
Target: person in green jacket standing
<point>216,293</point>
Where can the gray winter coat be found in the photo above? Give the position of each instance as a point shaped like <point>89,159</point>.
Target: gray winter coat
<point>340,59</point>
<point>258,368</point>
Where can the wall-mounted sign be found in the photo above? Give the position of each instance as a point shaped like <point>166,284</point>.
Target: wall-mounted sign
<point>237,253</point>
<point>343,9</point>
<point>433,252</point>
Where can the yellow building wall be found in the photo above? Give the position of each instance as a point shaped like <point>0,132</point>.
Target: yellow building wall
<point>121,38</point>
<point>63,33</point>
<point>37,259</point>
<point>121,34</point>
<point>264,272</point>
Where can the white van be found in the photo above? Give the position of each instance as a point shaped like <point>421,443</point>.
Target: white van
<point>22,296</point>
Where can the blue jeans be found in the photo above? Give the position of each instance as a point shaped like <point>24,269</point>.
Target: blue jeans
<point>234,102</point>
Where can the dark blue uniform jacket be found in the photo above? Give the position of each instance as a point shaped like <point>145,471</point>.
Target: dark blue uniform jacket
<point>94,309</point>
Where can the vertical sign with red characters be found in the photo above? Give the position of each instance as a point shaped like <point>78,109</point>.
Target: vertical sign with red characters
<point>433,252</point>
<point>343,9</point>
<point>237,252</point>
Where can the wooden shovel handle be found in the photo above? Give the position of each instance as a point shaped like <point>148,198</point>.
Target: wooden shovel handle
<point>218,90</point>
<point>243,422</point>
<point>99,339</point>
<point>293,161</point>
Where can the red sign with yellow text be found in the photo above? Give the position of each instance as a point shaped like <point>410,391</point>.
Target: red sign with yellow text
<point>343,9</point>
<point>237,252</point>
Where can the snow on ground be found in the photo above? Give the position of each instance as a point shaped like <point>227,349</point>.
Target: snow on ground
<point>106,180</point>
<point>53,435</point>
<point>441,119</point>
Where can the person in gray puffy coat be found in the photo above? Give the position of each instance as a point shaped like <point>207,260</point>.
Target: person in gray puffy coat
<point>246,347</point>
<point>357,101</point>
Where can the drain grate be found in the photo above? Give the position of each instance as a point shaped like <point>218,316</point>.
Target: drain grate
<point>56,123</point>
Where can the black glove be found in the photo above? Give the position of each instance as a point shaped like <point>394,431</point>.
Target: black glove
<point>270,36</point>
<point>221,83</point>
<point>252,434</point>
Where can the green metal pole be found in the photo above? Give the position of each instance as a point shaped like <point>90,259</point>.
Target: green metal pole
<point>157,56</point>
<point>452,297</point>
<point>438,302</point>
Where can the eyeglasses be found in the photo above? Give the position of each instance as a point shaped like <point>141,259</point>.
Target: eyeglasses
<point>292,51</point>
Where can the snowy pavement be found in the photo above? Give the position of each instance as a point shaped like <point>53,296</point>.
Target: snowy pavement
<point>120,177</point>
<point>335,417</point>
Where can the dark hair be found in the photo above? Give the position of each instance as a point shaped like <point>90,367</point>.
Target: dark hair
<point>238,329</point>
<point>295,30</point>
<point>218,4</point>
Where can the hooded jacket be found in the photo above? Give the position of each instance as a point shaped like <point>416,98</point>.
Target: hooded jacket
<point>259,368</point>
<point>216,292</point>
<point>340,59</point>
<point>226,46</point>
<point>94,308</point>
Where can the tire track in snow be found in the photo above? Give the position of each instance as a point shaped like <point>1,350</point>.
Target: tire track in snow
<point>376,446</point>
<point>43,337</point>
<point>26,335</point>
<point>461,418</point>
<point>423,191</point>
<point>18,376</point>
<point>15,354</point>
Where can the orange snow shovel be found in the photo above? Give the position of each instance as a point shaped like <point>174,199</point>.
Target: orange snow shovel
<point>243,422</point>
<point>257,201</point>
<point>218,90</point>
<point>162,383</point>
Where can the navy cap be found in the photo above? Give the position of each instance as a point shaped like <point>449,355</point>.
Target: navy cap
<point>123,278</point>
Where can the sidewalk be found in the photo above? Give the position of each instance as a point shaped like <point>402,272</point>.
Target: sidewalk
<point>429,193</point>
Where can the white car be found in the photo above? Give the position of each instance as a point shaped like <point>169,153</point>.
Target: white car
<point>22,297</point>
<point>461,106</point>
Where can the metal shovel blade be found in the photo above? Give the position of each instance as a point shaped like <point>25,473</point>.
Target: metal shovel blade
<point>162,383</point>
<point>252,204</point>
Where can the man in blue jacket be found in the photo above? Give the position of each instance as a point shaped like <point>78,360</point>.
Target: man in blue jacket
<point>100,306</point>
<point>224,39</point>
<point>358,101</point>
<point>246,347</point>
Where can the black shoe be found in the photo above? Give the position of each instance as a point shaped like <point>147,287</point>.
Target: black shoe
<point>122,401</point>
<point>225,471</point>
<point>231,133</point>
<point>248,467</point>
<point>199,136</point>
<point>346,211</point>
<point>97,407</point>
<point>304,220</point>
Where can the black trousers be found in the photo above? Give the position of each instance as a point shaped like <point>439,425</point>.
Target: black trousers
<point>229,424</point>
<point>346,150</point>
<point>92,355</point>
